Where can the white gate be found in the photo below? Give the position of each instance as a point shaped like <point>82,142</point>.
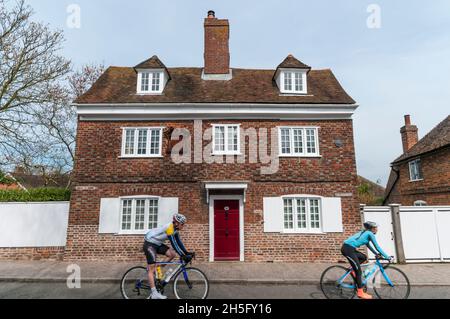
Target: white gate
<point>424,231</point>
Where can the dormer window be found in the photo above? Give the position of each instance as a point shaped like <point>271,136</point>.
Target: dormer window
<point>150,81</point>
<point>152,76</point>
<point>291,76</point>
<point>293,82</point>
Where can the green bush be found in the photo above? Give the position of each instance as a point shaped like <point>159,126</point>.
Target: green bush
<point>5,179</point>
<point>35,195</point>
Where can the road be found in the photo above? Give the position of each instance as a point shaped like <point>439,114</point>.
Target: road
<point>217,291</point>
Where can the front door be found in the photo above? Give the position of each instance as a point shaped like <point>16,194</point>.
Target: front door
<point>226,230</point>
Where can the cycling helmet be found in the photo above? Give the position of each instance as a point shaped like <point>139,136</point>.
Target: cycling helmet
<point>370,225</point>
<point>179,218</point>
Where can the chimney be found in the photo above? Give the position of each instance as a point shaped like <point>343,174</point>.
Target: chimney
<point>409,134</point>
<point>217,53</point>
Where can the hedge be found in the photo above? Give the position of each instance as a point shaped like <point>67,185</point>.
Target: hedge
<point>35,195</point>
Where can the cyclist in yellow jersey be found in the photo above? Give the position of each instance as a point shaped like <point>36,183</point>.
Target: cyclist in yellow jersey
<point>154,245</point>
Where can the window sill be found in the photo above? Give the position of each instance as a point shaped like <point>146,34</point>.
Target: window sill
<point>137,156</point>
<point>149,93</point>
<point>306,156</point>
<point>300,232</point>
<point>415,180</point>
<point>295,94</point>
<point>131,233</point>
<point>226,154</point>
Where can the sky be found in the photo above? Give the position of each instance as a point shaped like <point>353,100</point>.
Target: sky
<point>402,66</point>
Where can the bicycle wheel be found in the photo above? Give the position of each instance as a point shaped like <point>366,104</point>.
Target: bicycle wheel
<point>399,289</point>
<point>134,284</point>
<point>334,287</point>
<point>191,284</point>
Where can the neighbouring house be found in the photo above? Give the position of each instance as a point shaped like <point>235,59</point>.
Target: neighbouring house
<point>8,182</point>
<point>261,161</point>
<point>370,193</point>
<point>421,175</point>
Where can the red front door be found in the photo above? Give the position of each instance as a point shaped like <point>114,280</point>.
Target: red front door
<point>226,230</point>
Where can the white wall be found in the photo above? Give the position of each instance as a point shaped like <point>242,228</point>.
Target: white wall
<point>33,224</point>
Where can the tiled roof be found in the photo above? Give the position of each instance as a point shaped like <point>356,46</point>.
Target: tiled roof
<point>292,63</point>
<point>118,85</point>
<point>435,139</point>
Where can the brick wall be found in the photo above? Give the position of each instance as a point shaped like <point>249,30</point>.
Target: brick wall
<point>102,174</point>
<point>32,253</point>
<point>435,186</point>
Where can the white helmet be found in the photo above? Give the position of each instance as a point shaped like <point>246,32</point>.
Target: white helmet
<point>179,218</point>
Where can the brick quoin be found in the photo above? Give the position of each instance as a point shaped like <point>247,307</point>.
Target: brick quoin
<point>98,166</point>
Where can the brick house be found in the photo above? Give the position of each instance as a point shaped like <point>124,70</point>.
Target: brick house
<point>421,175</point>
<point>261,162</point>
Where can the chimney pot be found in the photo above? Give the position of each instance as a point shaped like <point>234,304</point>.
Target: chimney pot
<point>211,14</point>
<point>407,119</point>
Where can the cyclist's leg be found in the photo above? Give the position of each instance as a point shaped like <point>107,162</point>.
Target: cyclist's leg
<point>350,253</point>
<point>361,257</point>
<point>150,255</point>
<point>168,252</point>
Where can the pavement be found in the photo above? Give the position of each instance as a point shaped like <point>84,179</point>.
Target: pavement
<point>435,274</point>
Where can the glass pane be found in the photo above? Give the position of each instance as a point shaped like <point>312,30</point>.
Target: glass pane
<point>285,141</point>
<point>288,214</point>
<point>126,214</point>
<point>301,213</point>
<point>298,82</point>
<point>153,213</point>
<point>314,213</point>
<point>219,138</point>
<point>129,142</point>
<point>232,138</point>
<point>139,222</point>
<point>145,81</point>
<point>311,141</point>
<point>298,141</point>
<point>287,81</point>
<point>156,79</point>
<point>155,142</point>
<point>142,142</point>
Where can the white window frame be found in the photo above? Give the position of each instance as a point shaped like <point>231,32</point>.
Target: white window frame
<point>132,230</point>
<point>293,90</point>
<point>411,164</point>
<point>304,141</point>
<point>150,80</point>
<point>226,151</point>
<point>308,229</point>
<point>136,141</point>
<point>420,203</point>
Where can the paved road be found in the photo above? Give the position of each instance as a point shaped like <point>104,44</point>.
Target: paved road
<point>226,291</point>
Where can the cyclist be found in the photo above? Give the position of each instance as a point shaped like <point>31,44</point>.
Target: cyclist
<point>364,237</point>
<point>154,244</point>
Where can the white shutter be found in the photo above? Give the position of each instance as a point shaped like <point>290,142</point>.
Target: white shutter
<point>109,222</point>
<point>168,206</point>
<point>273,214</point>
<point>332,215</point>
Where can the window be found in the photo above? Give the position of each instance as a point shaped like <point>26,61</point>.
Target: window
<point>302,215</point>
<point>150,82</point>
<point>415,170</point>
<point>298,141</point>
<point>420,203</point>
<point>293,82</point>
<point>141,142</point>
<point>139,215</point>
<point>226,139</point>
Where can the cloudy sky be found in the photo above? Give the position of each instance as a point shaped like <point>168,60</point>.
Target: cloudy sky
<point>403,67</point>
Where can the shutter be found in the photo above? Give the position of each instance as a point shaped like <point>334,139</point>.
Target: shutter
<point>273,214</point>
<point>332,215</point>
<point>109,222</point>
<point>168,206</point>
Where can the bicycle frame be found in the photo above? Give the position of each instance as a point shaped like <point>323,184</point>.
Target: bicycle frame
<point>377,267</point>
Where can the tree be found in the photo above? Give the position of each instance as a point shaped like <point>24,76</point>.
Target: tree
<point>30,70</point>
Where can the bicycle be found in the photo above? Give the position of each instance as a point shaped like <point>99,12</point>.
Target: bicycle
<point>338,282</point>
<point>188,282</point>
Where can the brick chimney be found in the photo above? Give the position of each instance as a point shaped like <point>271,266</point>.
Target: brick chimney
<point>217,52</point>
<point>409,134</point>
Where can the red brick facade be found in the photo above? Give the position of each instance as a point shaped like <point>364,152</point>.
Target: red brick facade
<point>100,173</point>
<point>32,253</point>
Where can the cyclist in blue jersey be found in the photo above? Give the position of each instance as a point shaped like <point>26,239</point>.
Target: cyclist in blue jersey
<point>367,238</point>
<point>155,244</point>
